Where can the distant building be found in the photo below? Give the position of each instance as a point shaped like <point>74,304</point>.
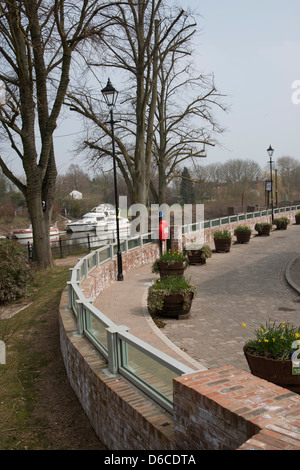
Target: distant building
<point>76,194</point>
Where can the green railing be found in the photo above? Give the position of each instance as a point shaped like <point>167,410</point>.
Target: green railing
<point>207,224</point>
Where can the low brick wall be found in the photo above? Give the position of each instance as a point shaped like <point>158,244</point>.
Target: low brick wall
<point>230,409</point>
<point>107,272</point>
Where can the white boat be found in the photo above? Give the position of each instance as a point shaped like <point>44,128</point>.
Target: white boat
<point>90,220</point>
<point>27,233</point>
<point>106,229</point>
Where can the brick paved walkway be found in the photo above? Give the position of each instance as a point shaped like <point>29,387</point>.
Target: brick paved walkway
<point>247,285</point>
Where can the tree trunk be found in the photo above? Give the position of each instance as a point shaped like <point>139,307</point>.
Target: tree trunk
<point>42,254</point>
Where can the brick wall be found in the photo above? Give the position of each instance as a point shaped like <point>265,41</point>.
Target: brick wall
<point>104,275</point>
<point>229,409</point>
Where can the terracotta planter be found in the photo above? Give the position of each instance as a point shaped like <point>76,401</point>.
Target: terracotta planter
<point>297,219</point>
<point>174,305</point>
<point>243,236</point>
<point>195,257</point>
<point>222,244</point>
<point>275,371</point>
<point>167,269</point>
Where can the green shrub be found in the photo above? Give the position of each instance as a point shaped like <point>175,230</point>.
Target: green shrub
<point>259,226</point>
<point>224,234</point>
<point>243,228</point>
<point>170,257</point>
<point>166,286</point>
<point>274,340</point>
<point>281,222</point>
<point>16,274</point>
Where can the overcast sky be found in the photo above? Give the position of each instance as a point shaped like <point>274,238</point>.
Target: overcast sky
<point>253,49</point>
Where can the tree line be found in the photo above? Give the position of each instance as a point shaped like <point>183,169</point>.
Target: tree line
<point>218,186</point>
<point>232,182</point>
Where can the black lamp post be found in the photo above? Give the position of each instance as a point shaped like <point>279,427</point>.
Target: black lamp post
<point>270,152</point>
<point>110,95</point>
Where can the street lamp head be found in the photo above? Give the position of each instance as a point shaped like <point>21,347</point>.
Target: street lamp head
<point>110,94</point>
<point>270,151</point>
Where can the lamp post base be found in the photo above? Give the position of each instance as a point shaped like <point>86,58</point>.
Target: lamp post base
<point>120,270</point>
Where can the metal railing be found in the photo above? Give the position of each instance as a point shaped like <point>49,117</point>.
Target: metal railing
<point>218,222</point>
<point>143,365</point>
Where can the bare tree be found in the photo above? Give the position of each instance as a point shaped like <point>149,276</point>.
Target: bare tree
<point>38,39</point>
<point>185,107</point>
<point>130,46</point>
<point>289,169</point>
<point>149,38</point>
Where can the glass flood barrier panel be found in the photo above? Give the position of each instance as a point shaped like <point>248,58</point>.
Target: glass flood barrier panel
<point>133,243</point>
<point>104,255</point>
<point>95,330</point>
<point>147,372</point>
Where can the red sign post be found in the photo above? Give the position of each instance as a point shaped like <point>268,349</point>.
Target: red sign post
<point>163,230</point>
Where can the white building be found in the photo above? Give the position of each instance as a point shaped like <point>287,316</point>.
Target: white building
<point>76,194</point>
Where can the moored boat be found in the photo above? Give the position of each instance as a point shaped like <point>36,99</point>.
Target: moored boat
<point>106,229</point>
<point>90,220</point>
<point>27,233</point>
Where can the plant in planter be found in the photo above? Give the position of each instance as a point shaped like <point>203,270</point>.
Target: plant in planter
<point>170,262</point>
<point>197,254</point>
<point>171,296</point>
<point>222,239</point>
<point>297,218</point>
<point>263,228</point>
<point>243,233</point>
<point>272,354</point>
<point>281,223</point>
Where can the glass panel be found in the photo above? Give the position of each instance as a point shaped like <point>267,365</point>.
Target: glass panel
<point>74,303</point>
<point>95,328</point>
<point>82,270</point>
<point>104,255</point>
<point>133,243</point>
<point>215,223</point>
<point>148,370</point>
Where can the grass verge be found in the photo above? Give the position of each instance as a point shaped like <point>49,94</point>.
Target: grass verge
<point>24,337</point>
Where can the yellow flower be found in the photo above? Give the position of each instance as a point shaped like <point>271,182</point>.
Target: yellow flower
<point>273,340</point>
<point>266,340</point>
<point>297,335</point>
<point>262,330</point>
<point>244,325</point>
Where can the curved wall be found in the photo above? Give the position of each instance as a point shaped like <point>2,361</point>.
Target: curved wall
<point>124,418</point>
